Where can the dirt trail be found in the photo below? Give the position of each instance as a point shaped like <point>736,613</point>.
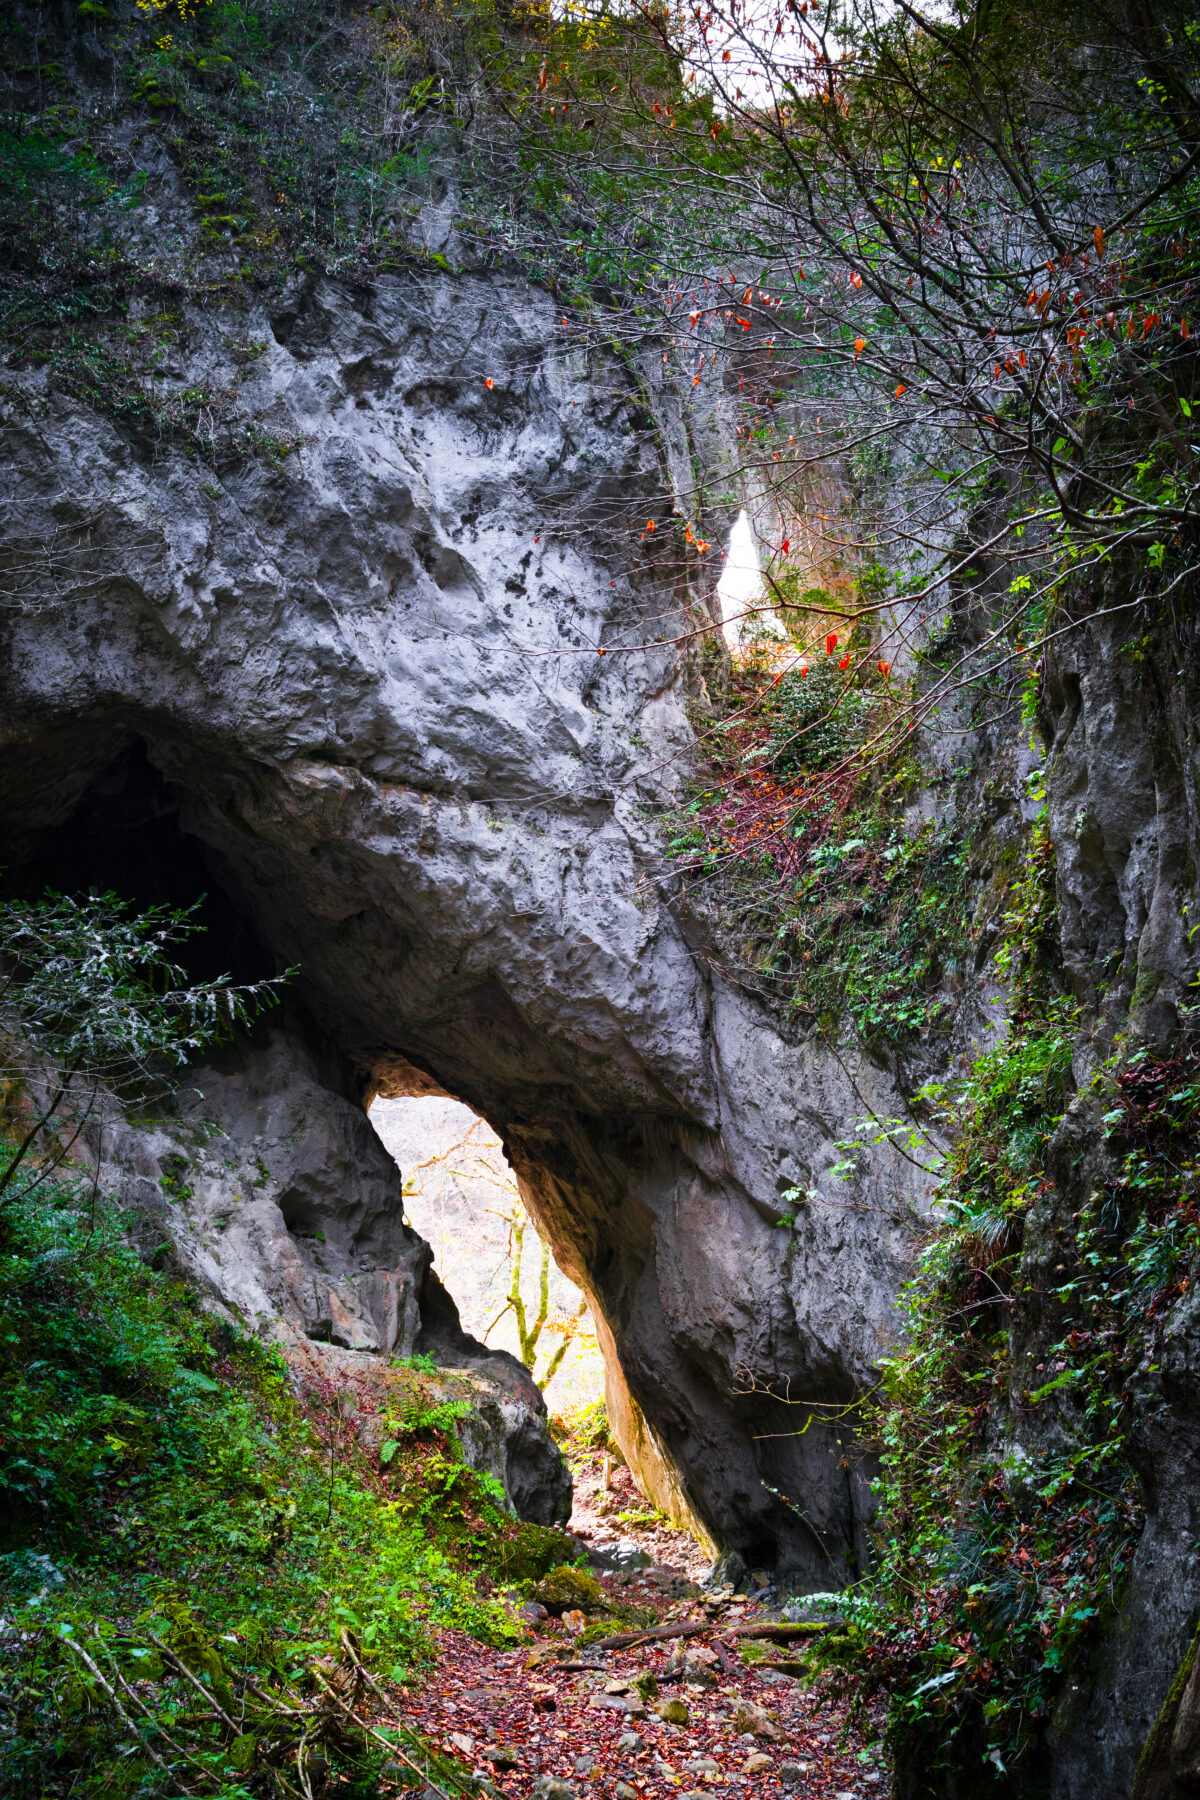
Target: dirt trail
<point>551,1713</point>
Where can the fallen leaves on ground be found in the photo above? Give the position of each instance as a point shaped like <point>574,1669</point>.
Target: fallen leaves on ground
<point>535,1716</point>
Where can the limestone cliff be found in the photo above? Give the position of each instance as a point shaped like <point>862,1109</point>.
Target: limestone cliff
<point>356,700</point>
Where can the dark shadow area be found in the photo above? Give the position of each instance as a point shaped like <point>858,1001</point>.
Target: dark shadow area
<point>126,836</point>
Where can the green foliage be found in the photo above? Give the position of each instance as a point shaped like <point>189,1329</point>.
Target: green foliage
<point>92,983</point>
<point>203,1572</point>
<point>91,986</point>
<point>586,1426</point>
<point>150,1453</point>
<point>878,929</point>
<point>818,719</point>
<point>839,905</point>
<point>1009,1504</point>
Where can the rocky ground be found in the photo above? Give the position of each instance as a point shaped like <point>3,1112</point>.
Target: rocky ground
<point>609,1511</point>
<point>674,1714</point>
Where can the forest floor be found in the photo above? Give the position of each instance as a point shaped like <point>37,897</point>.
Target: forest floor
<point>552,1719</point>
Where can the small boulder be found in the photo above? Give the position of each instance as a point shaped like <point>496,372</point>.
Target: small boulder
<point>791,1774</point>
<point>673,1712</point>
<point>532,1613</point>
<point>501,1757</point>
<point>624,1791</point>
<point>630,1743</point>
<point>550,1787</point>
<point>584,1767</point>
<point>757,1763</point>
<point>570,1590</point>
<point>755,1720</point>
<point>646,1687</point>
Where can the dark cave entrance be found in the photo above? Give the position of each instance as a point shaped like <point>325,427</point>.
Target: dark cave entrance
<point>126,835</point>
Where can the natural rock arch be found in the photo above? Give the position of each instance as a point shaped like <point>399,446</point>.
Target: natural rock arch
<point>355,694</point>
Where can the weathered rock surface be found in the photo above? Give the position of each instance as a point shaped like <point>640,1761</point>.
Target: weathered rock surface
<point>357,702</point>
<point>1122,786</point>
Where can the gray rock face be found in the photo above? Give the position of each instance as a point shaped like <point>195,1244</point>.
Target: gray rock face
<point>357,701</point>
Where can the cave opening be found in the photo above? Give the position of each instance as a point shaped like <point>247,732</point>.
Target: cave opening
<point>462,1196</point>
<point>324,1237</point>
<point>125,835</point>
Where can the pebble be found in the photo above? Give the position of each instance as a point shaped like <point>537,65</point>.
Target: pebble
<point>624,1791</point>
<point>791,1773</point>
<point>673,1712</point>
<point>630,1742</point>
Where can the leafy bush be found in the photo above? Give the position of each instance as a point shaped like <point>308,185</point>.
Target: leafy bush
<point>819,718</point>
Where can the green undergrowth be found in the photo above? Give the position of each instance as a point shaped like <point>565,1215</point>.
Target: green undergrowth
<point>828,897</point>
<point>1009,1502</point>
<point>201,1576</point>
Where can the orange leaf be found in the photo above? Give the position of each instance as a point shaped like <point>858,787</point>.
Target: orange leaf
<point>649,524</point>
<point>843,662</point>
<point>489,383</point>
<point>860,345</point>
<point>1098,240</point>
<point>831,643</point>
<point>901,390</point>
<point>885,668</point>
